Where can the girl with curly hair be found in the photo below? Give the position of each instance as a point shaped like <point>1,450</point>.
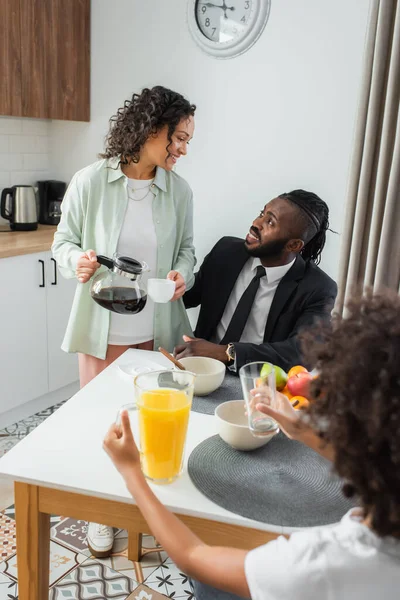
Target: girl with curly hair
<point>133,203</point>
<point>353,420</point>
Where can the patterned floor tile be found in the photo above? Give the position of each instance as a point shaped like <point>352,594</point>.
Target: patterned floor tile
<point>22,428</point>
<point>8,542</point>
<point>168,580</point>
<point>93,581</point>
<point>8,588</point>
<point>62,561</point>
<point>152,557</point>
<point>72,533</point>
<point>6,443</point>
<point>145,593</point>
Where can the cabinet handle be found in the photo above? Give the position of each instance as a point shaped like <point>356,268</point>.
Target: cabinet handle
<point>55,272</point>
<point>42,263</point>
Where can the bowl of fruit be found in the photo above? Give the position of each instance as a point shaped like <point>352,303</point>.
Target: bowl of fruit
<point>295,384</point>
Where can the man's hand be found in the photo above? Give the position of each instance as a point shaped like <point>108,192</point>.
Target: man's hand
<point>121,448</point>
<point>86,266</point>
<point>180,285</point>
<point>199,347</point>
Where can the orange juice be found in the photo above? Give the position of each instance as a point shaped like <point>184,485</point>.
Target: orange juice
<point>163,421</point>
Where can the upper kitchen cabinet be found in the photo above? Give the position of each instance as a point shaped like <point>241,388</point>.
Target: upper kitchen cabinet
<point>10,59</point>
<point>52,76</point>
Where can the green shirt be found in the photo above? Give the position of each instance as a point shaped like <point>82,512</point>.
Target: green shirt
<point>93,211</point>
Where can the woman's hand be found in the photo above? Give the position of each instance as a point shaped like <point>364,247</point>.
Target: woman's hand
<point>87,266</point>
<point>121,448</point>
<point>288,419</point>
<point>180,285</point>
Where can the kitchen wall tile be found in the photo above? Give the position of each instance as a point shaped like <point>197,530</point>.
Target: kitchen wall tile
<point>41,144</point>
<point>10,125</point>
<point>10,162</point>
<point>36,126</point>
<point>22,143</point>
<point>28,177</point>
<point>24,152</point>
<point>3,143</point>
<point>35,162</point>
<point>4,179</point>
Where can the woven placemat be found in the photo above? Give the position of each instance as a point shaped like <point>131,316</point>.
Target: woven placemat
<point>229,390</point>
<point>283,483</point>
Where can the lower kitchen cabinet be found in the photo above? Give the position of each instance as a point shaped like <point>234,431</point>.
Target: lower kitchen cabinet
<point>35,303</point>
<point>62,367</point>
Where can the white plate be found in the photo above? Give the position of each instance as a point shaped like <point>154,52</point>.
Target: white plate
<point>130,370</point>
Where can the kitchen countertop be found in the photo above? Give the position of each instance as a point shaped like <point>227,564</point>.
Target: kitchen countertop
<point>17,243</point>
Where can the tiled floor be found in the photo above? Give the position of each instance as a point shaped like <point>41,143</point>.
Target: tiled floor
<point>74,574</point>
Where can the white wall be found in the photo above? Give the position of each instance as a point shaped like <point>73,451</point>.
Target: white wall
<point>24,152</point>
<point>279,117</point>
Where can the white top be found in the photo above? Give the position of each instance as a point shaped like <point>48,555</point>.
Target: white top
<point>254,329</point>
<point>346,561</point>
<point>137,240</point>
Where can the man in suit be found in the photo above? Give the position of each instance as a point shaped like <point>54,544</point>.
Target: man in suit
<point>257,294</point>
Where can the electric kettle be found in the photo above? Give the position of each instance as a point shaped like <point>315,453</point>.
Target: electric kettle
<point>120,289</point>
<point>18,205</point>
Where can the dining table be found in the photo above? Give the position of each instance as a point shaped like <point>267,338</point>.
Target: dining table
<point>60,468</point>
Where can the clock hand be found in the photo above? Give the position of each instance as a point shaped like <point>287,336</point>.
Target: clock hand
<point>223,6</point>
<point>210,5</point>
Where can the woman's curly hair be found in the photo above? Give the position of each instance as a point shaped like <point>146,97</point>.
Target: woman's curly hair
<point>142,116</point>
<point>356,402</point>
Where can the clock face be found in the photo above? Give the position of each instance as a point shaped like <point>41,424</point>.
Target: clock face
<point>224,21</point>
<point>227,28</point>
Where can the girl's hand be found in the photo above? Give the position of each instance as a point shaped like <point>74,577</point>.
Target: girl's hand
<point>87,266</point>
<point>288,419</point>
<point>180,285</point>
<point>121,448</point>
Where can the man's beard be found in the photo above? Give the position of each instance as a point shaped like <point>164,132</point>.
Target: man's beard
<point>272,249</point>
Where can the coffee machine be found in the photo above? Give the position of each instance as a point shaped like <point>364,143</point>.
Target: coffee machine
<point>51,194</point>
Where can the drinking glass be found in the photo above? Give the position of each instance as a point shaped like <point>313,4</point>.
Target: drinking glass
<point>259,376</point>
<point>163,400</point>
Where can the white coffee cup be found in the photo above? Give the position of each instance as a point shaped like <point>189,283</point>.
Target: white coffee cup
<point>161,290</point>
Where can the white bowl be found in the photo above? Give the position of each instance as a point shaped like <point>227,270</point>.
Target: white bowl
<point>233,427</point>
<point>161,290</point>
<point>209,373</point>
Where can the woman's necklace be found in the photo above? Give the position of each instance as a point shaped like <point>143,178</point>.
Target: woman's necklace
<point>139,193</point>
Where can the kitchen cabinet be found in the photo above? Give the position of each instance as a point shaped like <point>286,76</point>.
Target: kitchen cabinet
<point>10,59</point>
<point>23,341</point>
<point>63,367</point>
<point>34,307</point>
<point>46,58</point>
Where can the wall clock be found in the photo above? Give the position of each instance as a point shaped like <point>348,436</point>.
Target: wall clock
<point>227,28</point>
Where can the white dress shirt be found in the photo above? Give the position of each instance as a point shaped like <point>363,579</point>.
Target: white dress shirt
<point>255,327</point>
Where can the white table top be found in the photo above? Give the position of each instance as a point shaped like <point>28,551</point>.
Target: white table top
<point>65,451</point>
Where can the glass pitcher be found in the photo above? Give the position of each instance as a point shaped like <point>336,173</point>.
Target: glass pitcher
<point>120,288</point>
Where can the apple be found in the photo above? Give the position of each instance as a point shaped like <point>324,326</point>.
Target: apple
<point>299,385</point>
<point>280,375</point>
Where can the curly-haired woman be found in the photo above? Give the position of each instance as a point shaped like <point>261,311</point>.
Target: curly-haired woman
<point>130,202</point>
<point>354,420</point>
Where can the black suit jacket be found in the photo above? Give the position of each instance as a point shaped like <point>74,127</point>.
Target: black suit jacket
<point>303,295</point>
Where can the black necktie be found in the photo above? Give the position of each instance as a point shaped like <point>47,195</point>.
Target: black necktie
<point>241,314</point>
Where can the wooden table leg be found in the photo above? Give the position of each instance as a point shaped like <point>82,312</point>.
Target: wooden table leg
<point>33,544</point>
<point>134,546</point>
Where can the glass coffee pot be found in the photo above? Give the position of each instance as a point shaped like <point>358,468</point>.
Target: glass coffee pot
<point>120,288</point>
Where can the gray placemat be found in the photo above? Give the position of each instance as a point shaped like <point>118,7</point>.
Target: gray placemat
<point>229,390</point>
<point>283,483</point>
